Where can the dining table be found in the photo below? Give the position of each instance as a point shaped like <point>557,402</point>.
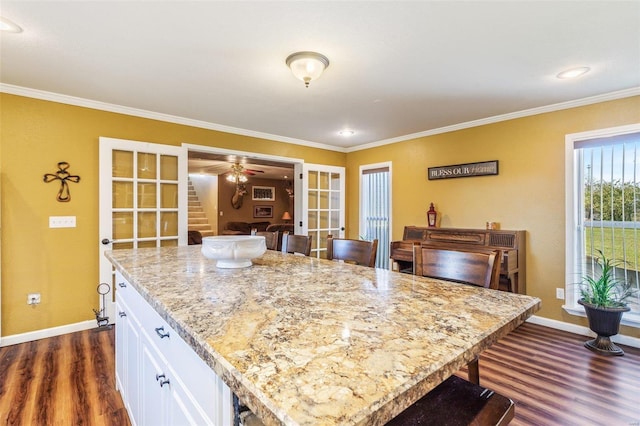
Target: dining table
<point>307,341</point>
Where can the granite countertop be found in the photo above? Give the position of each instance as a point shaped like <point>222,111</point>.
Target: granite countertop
<point>305,341</point>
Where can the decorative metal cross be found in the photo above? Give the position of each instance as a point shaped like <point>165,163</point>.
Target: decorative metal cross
<point>63,176</point>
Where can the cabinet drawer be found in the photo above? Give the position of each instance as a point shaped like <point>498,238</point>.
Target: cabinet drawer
<point>125,292</point>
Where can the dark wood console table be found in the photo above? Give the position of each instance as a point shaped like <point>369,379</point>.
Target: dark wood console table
<point>511,243</point>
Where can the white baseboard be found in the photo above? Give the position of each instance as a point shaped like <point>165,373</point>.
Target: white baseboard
<point>583,331</point>
<point>47,332</point>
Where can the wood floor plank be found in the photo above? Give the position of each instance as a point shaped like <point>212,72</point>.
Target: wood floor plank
<point>64,380</point>
<point>553,379</point>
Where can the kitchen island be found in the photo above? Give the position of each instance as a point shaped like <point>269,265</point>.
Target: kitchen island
<point>313,342</point>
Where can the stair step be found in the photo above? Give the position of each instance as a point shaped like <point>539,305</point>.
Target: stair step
<point>199,227</point>
<point>199,221</point>
<point>197,218</point>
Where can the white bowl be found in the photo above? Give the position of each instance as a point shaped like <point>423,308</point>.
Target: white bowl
<point>233,251</point>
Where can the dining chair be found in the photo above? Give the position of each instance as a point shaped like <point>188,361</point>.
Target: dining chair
<point>480,267</point>
<point>270,238</point>
<point>360,252</point>
<point>298,244</point>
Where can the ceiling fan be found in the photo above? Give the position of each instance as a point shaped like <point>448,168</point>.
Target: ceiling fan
<point>251,172</point>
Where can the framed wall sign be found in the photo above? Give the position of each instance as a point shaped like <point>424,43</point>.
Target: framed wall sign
<point>263,211</point>
<point>463,170</point>
<point>263,193</point>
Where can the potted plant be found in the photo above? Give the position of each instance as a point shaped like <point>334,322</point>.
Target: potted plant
<point>604,300</point>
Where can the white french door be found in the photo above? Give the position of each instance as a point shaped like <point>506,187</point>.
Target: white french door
<point>324,203</point>
<point>142,201</point>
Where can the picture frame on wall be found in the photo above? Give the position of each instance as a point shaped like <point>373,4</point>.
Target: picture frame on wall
<point>263,193</point>
<point>263,211</point>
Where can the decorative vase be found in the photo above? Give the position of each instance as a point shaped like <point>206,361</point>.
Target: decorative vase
<point>605,322</point>
<point>432,216</point>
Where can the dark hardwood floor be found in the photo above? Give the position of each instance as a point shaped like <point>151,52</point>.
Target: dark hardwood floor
<point>64,380</point>
<point>554,380</point>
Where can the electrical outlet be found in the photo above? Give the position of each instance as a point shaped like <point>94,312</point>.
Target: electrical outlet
<point>33,298</point>
<point>560,293</point>
<point>62,221</point>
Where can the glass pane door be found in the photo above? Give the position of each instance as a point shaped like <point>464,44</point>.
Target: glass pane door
<point>140,203</point>
<point>323,189</point>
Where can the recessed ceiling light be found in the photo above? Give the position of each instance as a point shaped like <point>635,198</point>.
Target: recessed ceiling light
<point>573,72</point>
<point>8,26</point>
<point>346,132</point>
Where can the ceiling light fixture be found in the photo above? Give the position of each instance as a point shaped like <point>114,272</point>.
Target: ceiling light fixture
<point>346,133</point>
<point>236,175</point>
<point>573,73</point>
<point>307,66</point>
<point>8,26</point>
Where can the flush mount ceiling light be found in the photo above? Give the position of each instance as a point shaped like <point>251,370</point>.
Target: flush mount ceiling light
<point>8,26</point>
<point>307,66</point>
<point>573,73</point>
<point>346,133</point>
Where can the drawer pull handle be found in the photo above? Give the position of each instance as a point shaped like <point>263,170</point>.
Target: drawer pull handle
<point>160,332</point>
<point>122,314</point>
<point>122,285</point>
<point>164,380</point>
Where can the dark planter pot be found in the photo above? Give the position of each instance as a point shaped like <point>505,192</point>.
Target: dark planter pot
<point>605,322</point>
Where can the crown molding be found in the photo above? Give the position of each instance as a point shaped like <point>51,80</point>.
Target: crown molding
<point>103,106</point>
<point>87,103</point>
<point>634,91</point>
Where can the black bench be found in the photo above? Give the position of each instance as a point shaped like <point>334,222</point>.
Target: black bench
<point>458,402</point>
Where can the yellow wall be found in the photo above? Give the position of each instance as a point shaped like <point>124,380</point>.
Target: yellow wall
<point>62,264</point>
<point>527,194</point>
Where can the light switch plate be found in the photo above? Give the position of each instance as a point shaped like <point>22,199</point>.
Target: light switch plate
<point>62,221</point>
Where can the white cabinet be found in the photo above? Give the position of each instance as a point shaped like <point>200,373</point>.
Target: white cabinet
<point>127,349</point>
<point>161,379</point>
<point>154,409</point>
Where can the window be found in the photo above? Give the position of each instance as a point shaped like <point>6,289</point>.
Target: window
<point>603,208</point>
<point>375,209</point>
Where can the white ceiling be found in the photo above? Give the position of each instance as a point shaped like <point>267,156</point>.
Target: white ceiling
<point>397,68</point>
